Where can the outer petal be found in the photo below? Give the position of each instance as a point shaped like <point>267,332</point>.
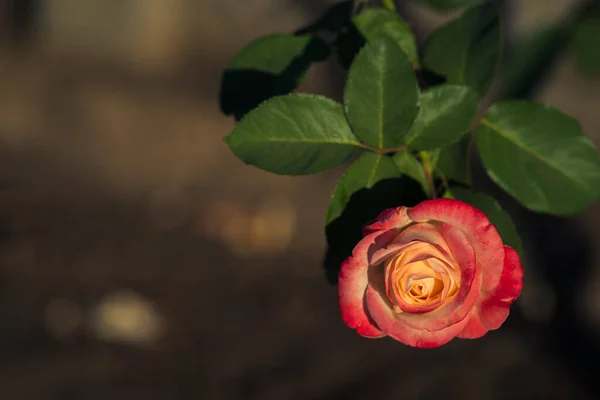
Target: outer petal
<point>353,281</point>
<point>492,311</point>
<point>388,219</point>
<point>425,233</point>
<point>418,232</point>
<point>387,320</point>
<point>480,232</point>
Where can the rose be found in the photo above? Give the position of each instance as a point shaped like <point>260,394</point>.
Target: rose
<point>427,274</point>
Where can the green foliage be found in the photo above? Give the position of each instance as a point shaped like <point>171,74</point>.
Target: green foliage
<point>375,22</point>
<point>496,214</point>
<point>539,156</point>
<point>413,124</point>
<point>368,169</point>
<point>445,115</point>
<point>409,165</point>
<point>467,50</point>
<point>269,66</point>
<point>293,135</point>
<point>371,24</point>
<point>453,162</point>
<point>381,94</point>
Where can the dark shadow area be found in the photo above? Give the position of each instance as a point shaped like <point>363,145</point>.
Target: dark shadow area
<point>334,19</point>
<point>364,206</point>
<point>23,15</point>
<point>348,44</point>
<point>427,78</point>
<point>337,21</point>
<point>564,251</point>
<point>244,89</point>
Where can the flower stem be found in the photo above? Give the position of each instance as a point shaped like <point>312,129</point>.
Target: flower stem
<point>428,168</point>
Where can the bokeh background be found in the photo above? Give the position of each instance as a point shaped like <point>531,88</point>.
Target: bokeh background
<point>139,259</point>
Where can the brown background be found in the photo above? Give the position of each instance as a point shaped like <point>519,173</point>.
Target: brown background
<point>140,259</point>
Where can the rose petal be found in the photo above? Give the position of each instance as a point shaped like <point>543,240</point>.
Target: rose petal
<point>491,313</point>
<point>480,232</point>
<point>458,307</point>
<point>388,322</point>
<point>388,219</point>
<point>419,251</point>
<point>424,233</point>
<point>474,328</point>
<point>353,281</point>
<point>416,271</point>
<point>383,255</point>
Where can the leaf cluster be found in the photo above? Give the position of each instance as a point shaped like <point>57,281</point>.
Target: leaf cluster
<point>409,137</point>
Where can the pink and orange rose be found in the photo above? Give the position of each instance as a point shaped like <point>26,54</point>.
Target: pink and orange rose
<point>427,274</point>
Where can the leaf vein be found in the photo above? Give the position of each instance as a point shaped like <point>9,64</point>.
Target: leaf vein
<point>520,144</point>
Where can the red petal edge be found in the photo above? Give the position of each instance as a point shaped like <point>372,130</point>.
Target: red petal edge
<point>353,279</point>
<point>493,311</point>
<point>482,235</point>
<point>388,219</point>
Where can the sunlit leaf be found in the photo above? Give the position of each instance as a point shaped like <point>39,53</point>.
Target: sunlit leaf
<point>539,156</point>
<point>409,165</point>
<point>381,94</point>
<point>294,134</point>
<point>445,114</point>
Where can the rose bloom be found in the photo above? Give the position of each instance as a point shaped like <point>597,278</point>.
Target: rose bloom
<point>427,274</point>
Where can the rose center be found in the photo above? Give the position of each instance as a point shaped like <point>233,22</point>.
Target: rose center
<point>421,285</point>
<point>424,288</point>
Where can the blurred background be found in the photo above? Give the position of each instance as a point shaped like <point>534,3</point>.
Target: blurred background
<point>139,259</point>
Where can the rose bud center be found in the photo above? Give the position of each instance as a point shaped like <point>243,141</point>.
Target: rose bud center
<point>419,279</point>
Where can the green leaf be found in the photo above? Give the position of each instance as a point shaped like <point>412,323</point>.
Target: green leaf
<point>451,5</point>
<point>409,165</point>
<point>539,156</point>
<point>269,66</point>
<point>454,161</point>
<point>293,135</point>
<point>389,5</point>
<point>374,22</point>
<point>467,50</point>
<point>381,94</point>
<point>445,114</point>
<point>496,214</point>
<point>585,44</point>
<point>368,169</point>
